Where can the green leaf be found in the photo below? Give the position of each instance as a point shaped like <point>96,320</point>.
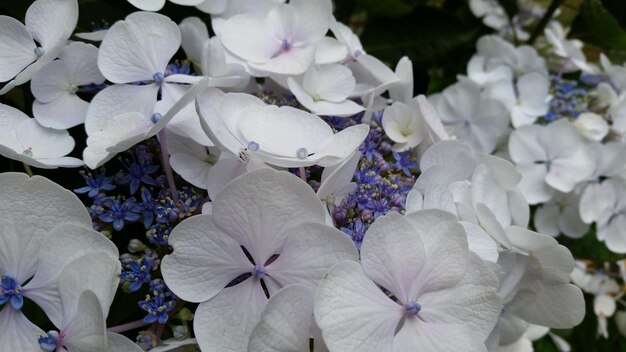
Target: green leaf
<point>427,35</point>
<point>595,25</point>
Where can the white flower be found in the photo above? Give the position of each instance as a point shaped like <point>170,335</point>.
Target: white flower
<point>283,41</point>
<point>124,130</point>
<point>48,22</point>
<point>522,59</point>
<point>23,139</point>
<point>403,90</point>
<point>282,136</point>
<point>36,248</point>
<point>560,215</point>
<point>266,224</point>
<point>404,124</point>
<point>325,90</point>
<point>478,122</point>
<point>192,161</point>
<point>437,284</point>
<point>550,158</point>
<point>526,100</point>
<point>55,86</point>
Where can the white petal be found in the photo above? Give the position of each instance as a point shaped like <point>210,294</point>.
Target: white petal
<point>16,48</point>
<point>67,243</point>
<point>283,131</point>
<point>547,219</point>
<point>435,337</point>
<point>533,89</point>
<point>225,322</point>
<point>524,146</point>
<point>194,34</point>
<point>51,81</point>
<point>214,7</point>
<point>43,142</point>
<point>392,254</point>
<point>189,159</point>
<point>341,145</point>
<point>294,62</point>
<point>18,333</point>
<point>67,111</point>
<point>479,242</point>
<point>353,313</point>
<point>533,185</point>
<point>332,83</point>
<point>330,51</point>
<point>139,47</point>
<point>82,60</point>
<point>336,177</point>
<point>592,126</point>
<point>249,37</point>
<point>604,305</point>
<point>570,223</point>
<point>204,261</point>
<point>313,19</point>
<point>446,250</point>
<point>120,132</point>
<point>47,202</point>
<point>559,306</point>
<point>52,21</point>
<point>309,252</point>
<point>227,168</point>
<point>613,234</point>
<point>285,323</point>
<point>148,5</point>
<point>87,330</point>
<point>117,99</point>
<point>564,173</point>
<point>260,208</point>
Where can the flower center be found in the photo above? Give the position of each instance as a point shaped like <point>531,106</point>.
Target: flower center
<point>158,77</point>
<point>286,45</point>
<point>51,342</point>
<point>302,153</point>
<point>253,146</point>
<point>39,51</point>
<point>11,291</point>
<point>258,271</point>
<point>155,117</point>
<point>412,308</point>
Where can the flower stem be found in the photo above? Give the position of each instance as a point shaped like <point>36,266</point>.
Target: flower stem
<point>554,5</point>
<point>128,326</point>
<point>28,169</point>
<point>166,166</point>
<point>303,174</point>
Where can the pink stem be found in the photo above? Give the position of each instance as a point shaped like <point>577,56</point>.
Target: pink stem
<point>128,326</point>
<point>303,174</point>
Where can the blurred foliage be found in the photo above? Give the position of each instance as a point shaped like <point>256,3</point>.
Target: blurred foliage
<point>439,37</point>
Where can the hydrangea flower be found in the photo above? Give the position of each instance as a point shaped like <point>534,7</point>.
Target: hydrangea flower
<point>36,248</point>
<point>551,158</point>
<point>24,49</point>
<point>267,45</point>
<point>417,283</point>
<point>266,231</point>
<point>55,86</point>
<point>475,120</point>
<point>22,138</point>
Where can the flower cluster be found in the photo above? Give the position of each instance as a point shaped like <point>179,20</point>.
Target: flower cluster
<point>405,222</point>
